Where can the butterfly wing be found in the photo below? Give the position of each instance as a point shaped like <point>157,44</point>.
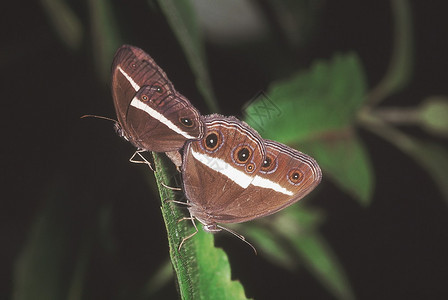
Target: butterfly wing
<point>286,176</point>
<point>165,119</point>
<point>219,167</point>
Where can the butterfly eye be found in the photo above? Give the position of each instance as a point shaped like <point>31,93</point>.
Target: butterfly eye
<point>158,89</point>
<point>212,141</point>
<point>295,176</point>
<point>250,167</point>
<point>187,122</point>
<point>144,98</point>
<point>241,155</point>
<point>269,164</point>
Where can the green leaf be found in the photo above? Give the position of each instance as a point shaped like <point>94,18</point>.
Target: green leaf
<point>323,99</point>
<point>346,161</point>
<point>203,271</point>
<point>66,24</point>
<point>181,16</point>
<point>105,36</point>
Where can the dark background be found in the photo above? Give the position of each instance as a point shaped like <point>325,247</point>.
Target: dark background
<point>394,249</point>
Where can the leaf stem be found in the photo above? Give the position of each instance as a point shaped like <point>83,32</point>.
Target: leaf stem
<point>400,67</point>
<point>202,271</point>
<point>380,127</point>
<point>399,115</point>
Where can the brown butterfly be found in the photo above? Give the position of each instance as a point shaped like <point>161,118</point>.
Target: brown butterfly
<point>151,114</point>
<point>232,175</point>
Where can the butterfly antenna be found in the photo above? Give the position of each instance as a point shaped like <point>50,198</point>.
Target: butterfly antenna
<point>240,236</point>
<point>98,117</point>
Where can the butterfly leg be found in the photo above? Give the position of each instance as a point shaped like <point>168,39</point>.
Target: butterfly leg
<point>176,189</point>
<point>178,202</point>
<point>189,236</point>
<point>183,219</point>
<point>170,187</point>
<point>142,159</point>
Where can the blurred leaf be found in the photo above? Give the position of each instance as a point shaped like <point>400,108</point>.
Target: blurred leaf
<point>320,106</point>
<point>400,67</point>
<point>346,161</point>
<point>273,246</point>
<point>308,218</point>
<point>432,157</point>
<point>45,267</point>
<point>323,99</point>
<point>105,36</point>
<point>160,278</point>
<point>231,22</point>
<point>203,271</point>
<point>316,254</point>
<point>295,20</point>
<point>292,238</point>
<point>269,245</point>
<point>322,262</point>
<point>434,115</point>
<point>76,285</point>
<point>182,19</point>
<point>67,25</point>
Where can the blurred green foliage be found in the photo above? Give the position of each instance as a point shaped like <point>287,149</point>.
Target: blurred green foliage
<point>303,110</point>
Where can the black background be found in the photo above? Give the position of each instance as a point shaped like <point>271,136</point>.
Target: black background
<point>396,248</point>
